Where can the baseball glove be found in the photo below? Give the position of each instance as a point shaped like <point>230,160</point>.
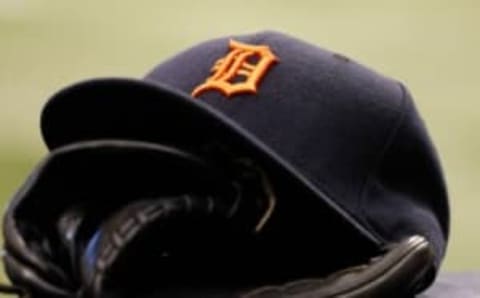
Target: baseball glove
<point>132,219</point>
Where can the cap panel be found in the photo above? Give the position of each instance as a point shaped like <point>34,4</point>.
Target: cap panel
<point>409,178</point>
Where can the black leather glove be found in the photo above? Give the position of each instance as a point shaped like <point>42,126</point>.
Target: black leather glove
<point>133,219</point>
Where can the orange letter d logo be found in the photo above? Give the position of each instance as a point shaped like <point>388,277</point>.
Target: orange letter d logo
<point>239,71</point>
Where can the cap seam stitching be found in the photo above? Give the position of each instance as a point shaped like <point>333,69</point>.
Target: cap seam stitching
<point>370,225</point>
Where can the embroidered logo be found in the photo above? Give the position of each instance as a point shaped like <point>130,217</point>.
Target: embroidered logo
<point>240,71</point>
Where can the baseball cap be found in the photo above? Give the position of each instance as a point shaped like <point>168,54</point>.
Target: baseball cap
<point>346,143</point>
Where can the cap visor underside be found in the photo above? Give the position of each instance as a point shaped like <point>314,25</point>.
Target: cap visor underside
<point>130,109</point>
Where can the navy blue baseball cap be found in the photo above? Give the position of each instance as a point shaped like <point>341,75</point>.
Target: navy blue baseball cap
<point>342,140</point>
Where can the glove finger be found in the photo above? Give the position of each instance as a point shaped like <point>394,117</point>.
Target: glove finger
<point>33,282</point>
<point>395,274</point>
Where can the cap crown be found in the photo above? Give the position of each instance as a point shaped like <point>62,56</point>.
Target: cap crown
<point>352,132</point>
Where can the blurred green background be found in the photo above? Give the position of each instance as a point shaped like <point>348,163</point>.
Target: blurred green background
<point>431,45</point>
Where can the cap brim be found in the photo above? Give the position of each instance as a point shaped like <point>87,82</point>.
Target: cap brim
<point>118,108</point>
